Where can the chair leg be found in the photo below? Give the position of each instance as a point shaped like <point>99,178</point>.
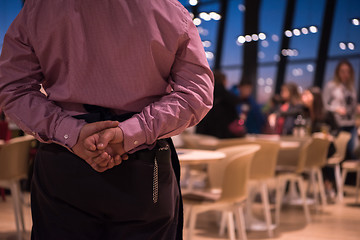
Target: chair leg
<point>192,222</point>
<point>315,188</point>
<point>20,203</point>
<point>340,192</point>
<point>222,224</point>
<point>357,185</point>
<point>303,197</point>
<point>343,178</point>
<point>187,212</point>
<point>292,192</point>
<point>267,214</point>
<point>240,219</point>
<point>321,186</point>
<point>248,204</point>
<point>279,198</point>
<point>14,193</point>
<point>231,227</point>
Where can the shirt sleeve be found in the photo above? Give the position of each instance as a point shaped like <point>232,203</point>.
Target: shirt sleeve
<point>191,98</point>
<point>20,96</point>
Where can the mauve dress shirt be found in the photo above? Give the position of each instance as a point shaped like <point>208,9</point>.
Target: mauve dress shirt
<point>141,56</point>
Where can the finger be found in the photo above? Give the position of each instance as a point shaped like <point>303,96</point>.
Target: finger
<point>111,163</point>
<point>100,169</point>
<point>91,131</point>
<point>94,155</point>
<point>93,164</point>
<point>90,142</point>
<point>100,161</point>
<point>103,159</point>
<point>117,160</point>
<point>97,168</point>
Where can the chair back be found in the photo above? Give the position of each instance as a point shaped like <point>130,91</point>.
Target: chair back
<point>199,141</point>
<point>231,173</point>
<point>264,163</point>
<point>340,143</point>
<point>237,175</point>
<point>229,142</point>
<point>313,154</point>
<point>14,158</point>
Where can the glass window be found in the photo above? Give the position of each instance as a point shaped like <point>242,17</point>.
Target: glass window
<point>184,2</point>
<point>232,50</point>
<point>207,1</point>
<point>265,86</point>
<point>208,28</point>
<point>9,9</point>
<point>305,35</point>
<point>300,73</point>
<point>345,34</point>
<point>271,24</point>
<point>232,76</point>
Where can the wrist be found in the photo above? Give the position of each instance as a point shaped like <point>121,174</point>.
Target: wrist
<point>120,133</point>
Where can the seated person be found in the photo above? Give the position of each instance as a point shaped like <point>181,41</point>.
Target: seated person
<point>248,108</point>
<point>282,120</point>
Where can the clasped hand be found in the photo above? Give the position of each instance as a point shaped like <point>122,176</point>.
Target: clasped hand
<point>101,145</point>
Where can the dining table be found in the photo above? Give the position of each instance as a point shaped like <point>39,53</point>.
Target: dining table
<point>195,157</point>
<point>198,156</point>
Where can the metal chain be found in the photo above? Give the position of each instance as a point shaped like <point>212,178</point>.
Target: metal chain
<point>155,182</point>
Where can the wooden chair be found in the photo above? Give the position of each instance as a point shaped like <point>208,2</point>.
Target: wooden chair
<point>232,174</point>
<point>334,161</point>
<point>352,166</point>
<point>262,169</point>
<point>312,156</point>
<point>315,160</point>
<point>14,163</point>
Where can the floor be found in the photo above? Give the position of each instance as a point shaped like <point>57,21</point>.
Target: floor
<point>335,222</point>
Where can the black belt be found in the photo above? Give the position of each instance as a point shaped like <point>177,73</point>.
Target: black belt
<point>97,113</point>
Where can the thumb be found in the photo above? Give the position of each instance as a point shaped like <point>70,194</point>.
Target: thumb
<point>99,126</point>
<point>105,137</point>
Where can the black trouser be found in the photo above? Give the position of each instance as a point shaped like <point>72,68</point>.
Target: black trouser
<point>71,201</point>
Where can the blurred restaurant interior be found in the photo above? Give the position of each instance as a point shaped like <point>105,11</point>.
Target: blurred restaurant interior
<point>294,183</point>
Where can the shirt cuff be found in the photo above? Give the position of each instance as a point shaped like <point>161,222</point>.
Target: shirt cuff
<point>134,135</point>
<point>68,131</point>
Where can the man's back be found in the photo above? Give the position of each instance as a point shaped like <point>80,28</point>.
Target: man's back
<point>102,48</point>
<point>117,54</point>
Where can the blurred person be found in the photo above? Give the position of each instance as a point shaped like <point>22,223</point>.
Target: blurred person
<point>216,122</point>
<point>152,83</point>
<point>271,105</point>
<point>318,119</point>
<point>340,100</point>
<point>282,120</point>
<point>248,109</point>
<point>316,114</point>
